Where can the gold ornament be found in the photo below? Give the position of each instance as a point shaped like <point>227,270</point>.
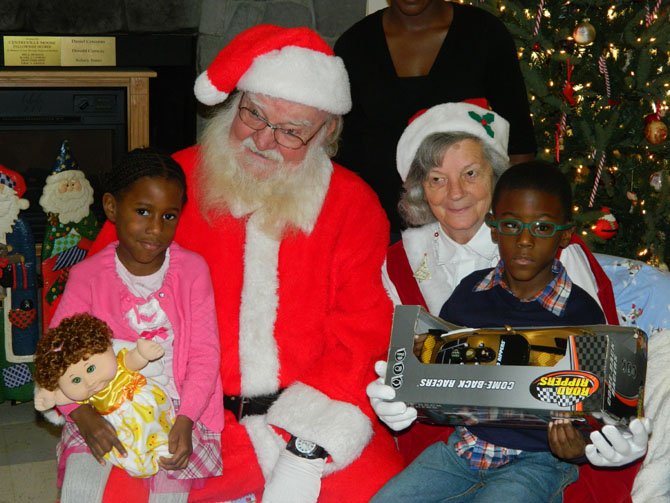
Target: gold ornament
<point>584,33</point>
<point>656,132</point>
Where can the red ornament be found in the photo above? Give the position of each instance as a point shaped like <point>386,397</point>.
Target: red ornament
<point>606,226</point>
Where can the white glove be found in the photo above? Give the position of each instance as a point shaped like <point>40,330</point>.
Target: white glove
<point>612,447</point>
<point>395,415</point>
<point>294,480</point>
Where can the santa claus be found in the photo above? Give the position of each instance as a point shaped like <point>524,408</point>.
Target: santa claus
<point>295,245</point>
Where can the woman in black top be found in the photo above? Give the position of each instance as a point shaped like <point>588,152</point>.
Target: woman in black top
<point>411,56</point>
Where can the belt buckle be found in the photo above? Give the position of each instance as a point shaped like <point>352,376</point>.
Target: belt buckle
<point>240,409</point>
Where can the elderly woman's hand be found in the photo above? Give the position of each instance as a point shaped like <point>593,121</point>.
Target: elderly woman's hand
<point>612,447</point>
<point>395,415</point>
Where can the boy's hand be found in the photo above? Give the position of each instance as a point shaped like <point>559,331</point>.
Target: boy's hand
<point>565,441</point>
<point>180,445</point>
<point>44,399</point>
<point>100,436</point>
<point>149,350</point>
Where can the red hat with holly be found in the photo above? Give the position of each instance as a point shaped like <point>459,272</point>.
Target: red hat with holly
<point>294,64</point>
<point>463,117</point>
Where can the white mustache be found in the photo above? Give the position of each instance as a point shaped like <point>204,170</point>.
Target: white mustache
<point>272,155</point>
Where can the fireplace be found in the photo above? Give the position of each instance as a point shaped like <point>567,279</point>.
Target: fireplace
<point>34,122</point>
<point>102,112</point>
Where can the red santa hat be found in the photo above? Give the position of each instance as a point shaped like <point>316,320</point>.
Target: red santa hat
<point>463,117</point>
<point>13,180</point>
<point>294,64</point>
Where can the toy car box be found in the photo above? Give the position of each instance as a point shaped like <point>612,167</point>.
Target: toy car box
<point>506,376</point>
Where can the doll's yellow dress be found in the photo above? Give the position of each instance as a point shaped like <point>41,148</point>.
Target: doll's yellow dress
<point>142,414</point>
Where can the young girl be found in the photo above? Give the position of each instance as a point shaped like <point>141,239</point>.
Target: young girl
<point>75,362</point>
<point>146,286</point>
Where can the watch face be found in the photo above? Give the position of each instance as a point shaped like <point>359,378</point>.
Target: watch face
<point>304,446</point>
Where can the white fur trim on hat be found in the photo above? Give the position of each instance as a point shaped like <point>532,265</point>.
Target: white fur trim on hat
<point>302,76</point>
<point>295,64</point>
<point>339,427</point>
<point>487,125</point>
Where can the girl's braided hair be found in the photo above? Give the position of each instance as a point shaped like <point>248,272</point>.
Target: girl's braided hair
<point>139,163</point>
<point>76,338</point>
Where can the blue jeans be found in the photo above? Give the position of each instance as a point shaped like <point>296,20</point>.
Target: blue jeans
<point>439,474</point>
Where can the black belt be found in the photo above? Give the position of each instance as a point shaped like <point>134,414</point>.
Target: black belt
<point>249,406</point>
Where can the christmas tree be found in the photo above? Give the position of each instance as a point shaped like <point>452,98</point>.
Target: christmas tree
<point>598,83</point>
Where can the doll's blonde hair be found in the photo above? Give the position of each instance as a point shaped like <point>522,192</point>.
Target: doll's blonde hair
<point>76,338</point>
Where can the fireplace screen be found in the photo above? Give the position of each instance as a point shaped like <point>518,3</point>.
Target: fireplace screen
<point>34,122</point>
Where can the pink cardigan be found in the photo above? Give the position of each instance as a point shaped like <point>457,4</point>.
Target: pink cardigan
<point>186,297</point>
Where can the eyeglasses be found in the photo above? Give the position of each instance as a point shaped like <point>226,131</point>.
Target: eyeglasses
<point>284,137</point>
<point>514,227</point>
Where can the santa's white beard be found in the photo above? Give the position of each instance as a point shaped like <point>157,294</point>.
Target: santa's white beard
<point>288,198</point>
<point>71,206</point>
<point>9,211</point>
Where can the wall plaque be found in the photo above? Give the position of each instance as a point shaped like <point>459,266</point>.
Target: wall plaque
<point>59,51</point>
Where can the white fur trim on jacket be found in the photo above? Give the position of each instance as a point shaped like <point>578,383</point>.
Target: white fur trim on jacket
<point>339,427</point>
<point>259,359</point>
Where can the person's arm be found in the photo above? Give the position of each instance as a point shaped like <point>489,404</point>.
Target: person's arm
<point>75,299</point>
<point>331,395</point>
<point>351,147</point>
<point>99,435</point>
<point>203,364</point>
<point>180,444</point>
<point>204,356</point>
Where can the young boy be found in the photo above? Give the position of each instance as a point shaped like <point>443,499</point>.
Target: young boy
<point>530,220</point>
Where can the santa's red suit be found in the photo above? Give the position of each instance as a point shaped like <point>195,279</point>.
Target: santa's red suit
<point>308,315</point>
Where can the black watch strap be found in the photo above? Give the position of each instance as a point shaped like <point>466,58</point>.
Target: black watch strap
<point>306,449</point>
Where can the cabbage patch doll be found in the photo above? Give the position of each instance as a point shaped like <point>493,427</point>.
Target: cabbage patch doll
<point>75,363</point>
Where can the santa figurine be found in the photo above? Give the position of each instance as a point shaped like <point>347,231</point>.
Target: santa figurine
<point>19,329</point>
<point>71,226</point>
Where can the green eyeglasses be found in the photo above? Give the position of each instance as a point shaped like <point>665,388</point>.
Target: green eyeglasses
<point>514,227</point>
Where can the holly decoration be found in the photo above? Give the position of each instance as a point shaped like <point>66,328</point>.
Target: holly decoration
<point>484,120</point>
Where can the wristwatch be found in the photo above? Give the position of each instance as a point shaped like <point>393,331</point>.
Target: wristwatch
<point>306,449</point>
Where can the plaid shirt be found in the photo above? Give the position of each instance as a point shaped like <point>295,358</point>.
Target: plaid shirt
<point>554,296</point>
<point>482,455</point>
